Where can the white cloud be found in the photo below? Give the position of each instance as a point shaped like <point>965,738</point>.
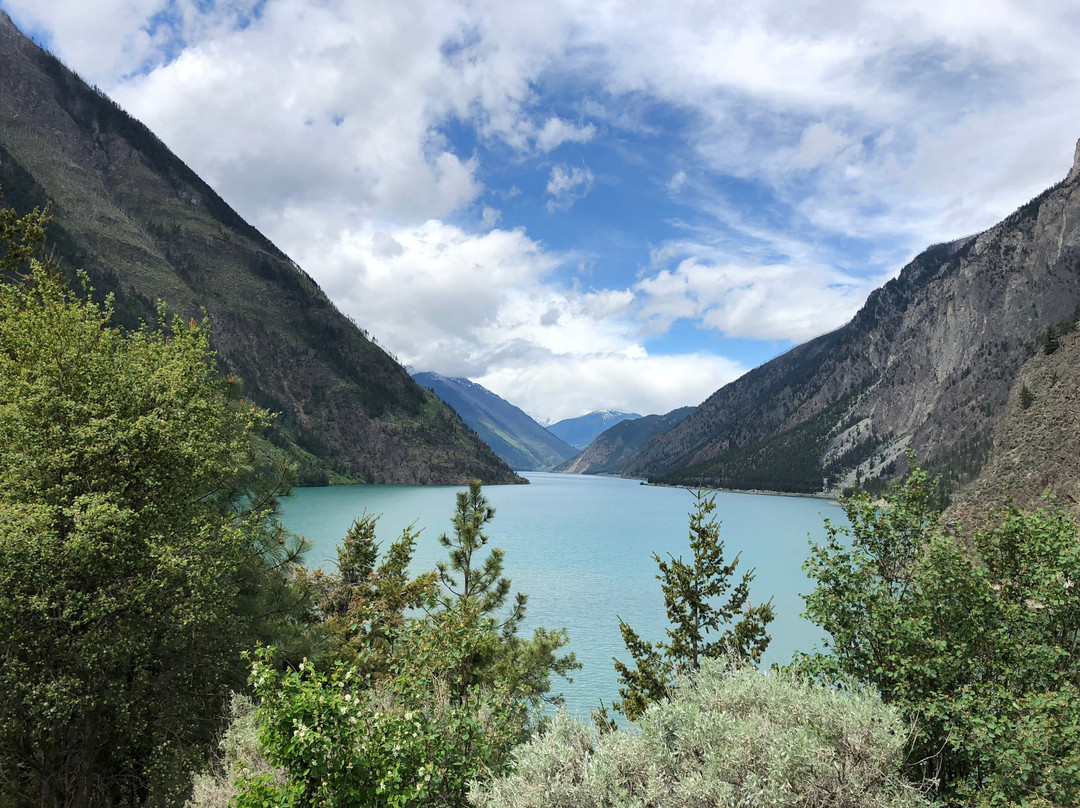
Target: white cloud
<point>556,131</point>
<point>566,387</point>
<point>677,181</point>
<point>567,185</point>
<point>818,144</point>
<point>779,302</point>
<point>891,124</point>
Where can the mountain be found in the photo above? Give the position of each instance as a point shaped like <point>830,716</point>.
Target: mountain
<point>515,437</point>
<point>614,448</point>
<point>582,431</point>
<point>927,363</point>
<point>1036,444</point>
<point>144,226</point>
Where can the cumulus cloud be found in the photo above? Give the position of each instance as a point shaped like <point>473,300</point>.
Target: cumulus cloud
<point>566,387</point>
<point>777,302</point>
<point>567,185</point>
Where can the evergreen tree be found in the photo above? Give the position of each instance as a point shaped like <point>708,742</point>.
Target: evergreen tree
<point>701,598</point>
<point>361,609</point>
<point>473,602</point>
<point>1027,398</point>
<point>1051,341</point>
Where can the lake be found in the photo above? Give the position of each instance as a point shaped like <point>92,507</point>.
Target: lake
<point>581,548</point>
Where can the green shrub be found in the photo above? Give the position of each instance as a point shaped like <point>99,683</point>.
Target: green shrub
<point>727,738</point>
<point>973,638</point>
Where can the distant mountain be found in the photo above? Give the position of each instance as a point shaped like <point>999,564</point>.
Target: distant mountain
<point>513,435</point>
<point>1036,443</point>
<point>614,448</point>
<point>144,226</point>
<point>927,363</point>
<point>581,431</point>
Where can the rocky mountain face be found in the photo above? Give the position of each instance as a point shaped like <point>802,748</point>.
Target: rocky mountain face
<point>1036,449</point>
<point>927,363</point>
<point>146,227</point>
<point>510,432</point>
<point>614,448</point>
<point>581,431</point>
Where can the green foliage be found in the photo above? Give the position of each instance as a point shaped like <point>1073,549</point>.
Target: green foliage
<point>404,741</point>
<point>474,594</point>
<point>726,738</point>
<point>700,599</point>
<point>974,639</point>
<point>361,609</point>
<point>1051,340</point>
<point>134,543</point>
<point>417,704</point>
<point>787,461</point>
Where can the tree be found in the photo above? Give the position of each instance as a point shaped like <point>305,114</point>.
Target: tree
<point>474,594</point>
<point>419,705</point>
<point>1051,340</point>
<point>131,542</point>
<point>973,638</point>
<point>361,609</point>
<point>1027,398</point>
<point>700,598</point>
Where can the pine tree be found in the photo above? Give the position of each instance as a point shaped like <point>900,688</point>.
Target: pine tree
<point>1051,342</point>
<point>475,596</point>
<point>701,598</point>
<point>1027,398</point>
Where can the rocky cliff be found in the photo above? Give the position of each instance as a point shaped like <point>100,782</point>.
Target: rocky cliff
<point>927,363</point>
<point>144,226</point>
<point>1036,448</point>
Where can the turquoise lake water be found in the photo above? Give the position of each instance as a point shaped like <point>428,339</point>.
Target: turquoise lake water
<point>581,548</point>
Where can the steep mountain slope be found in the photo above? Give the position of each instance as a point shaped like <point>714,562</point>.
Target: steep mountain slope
<point>617,446</point>
<point>928,362</point>
<point>515,437</point>
<point>581,431</point>
<point>144,226</point>
<point>1037,442</point>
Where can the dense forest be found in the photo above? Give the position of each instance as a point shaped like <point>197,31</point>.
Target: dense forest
<point>161,642</point>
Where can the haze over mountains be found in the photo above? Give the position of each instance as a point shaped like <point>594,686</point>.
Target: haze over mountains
<point>583,430</point>
<point>145,227</point>
<point>511,433</point>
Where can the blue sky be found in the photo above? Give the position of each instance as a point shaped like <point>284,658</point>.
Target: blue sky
<point>584,204</point>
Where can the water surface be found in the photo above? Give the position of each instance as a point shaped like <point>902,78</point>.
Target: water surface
<point>581,548</point>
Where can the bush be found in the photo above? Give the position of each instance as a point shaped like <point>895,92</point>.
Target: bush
<point>973,638</point>
<point>727,738</point>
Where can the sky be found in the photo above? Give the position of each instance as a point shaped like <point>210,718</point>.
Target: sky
<point>585,204</point>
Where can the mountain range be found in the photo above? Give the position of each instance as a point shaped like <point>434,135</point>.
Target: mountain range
<point>510,432</point>
<point>927,364</point>
<point>145,227</point>
<point>614,448</point>
<point>582,430</point>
